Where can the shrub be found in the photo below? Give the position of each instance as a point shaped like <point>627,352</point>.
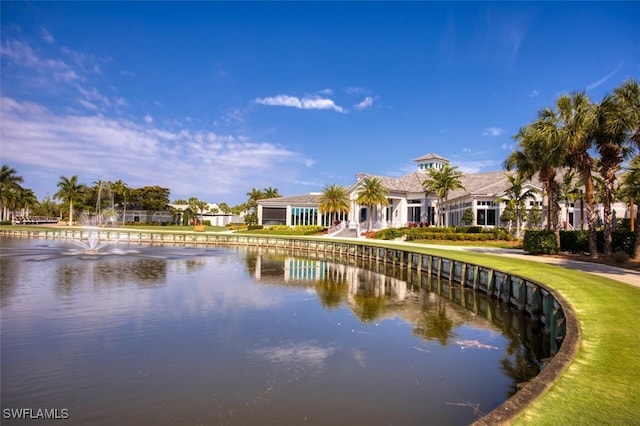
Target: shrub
<point>468,229</point>
<point>578,241</point>
<point>574,241</point>
<point>539,242</point>
<point>389,234</point>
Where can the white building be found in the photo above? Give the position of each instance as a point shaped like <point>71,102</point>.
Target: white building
<point>211,213</point>
<point>409,202</point>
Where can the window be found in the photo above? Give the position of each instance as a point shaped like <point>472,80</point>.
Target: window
<point>486,217</point>
<point>301,216</point>
<point>413,214</point>
<point>274,215</point>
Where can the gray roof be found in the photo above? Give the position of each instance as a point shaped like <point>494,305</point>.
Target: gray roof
<point>292,199</point>
<point>430,156</point>
<point>488,184</point>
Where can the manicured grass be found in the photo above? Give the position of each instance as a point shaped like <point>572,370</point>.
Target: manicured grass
<point>487,243</point>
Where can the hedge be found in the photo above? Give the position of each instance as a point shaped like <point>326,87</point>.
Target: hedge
<point>460,233</point>
<point>539,242</point>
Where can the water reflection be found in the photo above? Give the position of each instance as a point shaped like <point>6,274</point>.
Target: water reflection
<point>243,336</point>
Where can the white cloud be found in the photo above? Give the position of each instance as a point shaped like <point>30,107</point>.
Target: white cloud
<point>506,147</point>
<point>46,36</point>
<point>148,119</point>
<point>533,93</point>
<point>493,131</point>
<point>301,103</point>
<point>355,90</point>
<point>100,147</point>
<point>605,78</point>
<point>366,103</point>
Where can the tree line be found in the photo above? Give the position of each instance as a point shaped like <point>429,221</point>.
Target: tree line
<point>73,197</point>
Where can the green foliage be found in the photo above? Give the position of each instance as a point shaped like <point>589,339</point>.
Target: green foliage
<point>540,242</point>
<point>467,216</point>
<point>509,213</point>
<point>578,241</point>
<point>286,230</point>
<point>389,234</point>
<point>459,233</point>
<point>534,217</point>
<point>469,229</point>
<point>574,241</point>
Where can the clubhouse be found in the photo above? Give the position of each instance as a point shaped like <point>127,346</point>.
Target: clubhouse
<point>409,204</point>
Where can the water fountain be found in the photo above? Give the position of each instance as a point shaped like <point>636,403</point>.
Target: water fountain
<point>105,215</point>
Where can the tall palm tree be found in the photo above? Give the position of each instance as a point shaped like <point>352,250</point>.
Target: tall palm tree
<point>541,153</point>
<point>70,191</point>
<point>198,207</point>
<point>26,200</point>
<point>577,115</point>
<point>517,195</point>
<point>569,192</point>
<point>628,95</point>
<point>334,200</point>
<point>372,193</point>
<point>9,183</point>
<point>615,124</point>
<point>440,182</point>
<point>631,193</point>
<point>121,195</point>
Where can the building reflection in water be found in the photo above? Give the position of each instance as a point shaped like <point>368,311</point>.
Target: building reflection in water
<point>435,308</point>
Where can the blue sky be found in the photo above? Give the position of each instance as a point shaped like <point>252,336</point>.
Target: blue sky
<point>212,99</point>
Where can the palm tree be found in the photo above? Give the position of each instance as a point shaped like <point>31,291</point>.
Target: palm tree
<point>70,191</point>
<point>9,183</point>
<point>334,199</point>
<point>615,125</point>
<point>198,207</point>
<point>542,153</point>
<point>576,113</point>
<point>270,192</point>
<point>372,193</point>
<point>121,195</point>
<point>631,193</point>
<point>224,208</point>
<point>517,195</point>
<point>26,200</point>
<point>628,95</point>
<point>569,192</point>
<point>440,182</point>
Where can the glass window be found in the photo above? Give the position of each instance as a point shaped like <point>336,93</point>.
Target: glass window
<point>481,217</point>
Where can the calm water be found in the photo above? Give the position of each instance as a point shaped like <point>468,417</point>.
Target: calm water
<point>183,335</point>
